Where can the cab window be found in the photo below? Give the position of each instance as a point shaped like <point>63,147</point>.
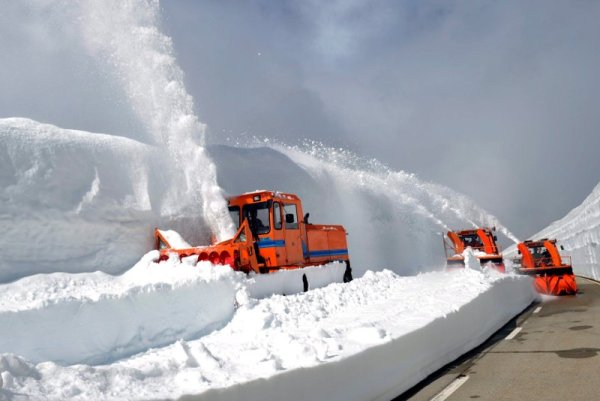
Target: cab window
<point>291,216</point>
<point>258,217</point>
<point>472,240</point>
<point>277,216</point>
<point>234,212</point>
<point>540,252</point>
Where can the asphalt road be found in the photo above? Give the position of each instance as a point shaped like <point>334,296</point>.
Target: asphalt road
<point>550,352</point>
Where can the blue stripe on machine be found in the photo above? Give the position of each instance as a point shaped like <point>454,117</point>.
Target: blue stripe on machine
<point>332,252</point>
<point>269,243</point>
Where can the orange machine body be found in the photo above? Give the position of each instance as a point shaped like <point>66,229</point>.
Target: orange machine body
<point>480,239</point>
<point>272,235</point>
<point>553,273</point>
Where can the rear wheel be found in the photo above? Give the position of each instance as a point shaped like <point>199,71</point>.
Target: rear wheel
<point>304,283</point>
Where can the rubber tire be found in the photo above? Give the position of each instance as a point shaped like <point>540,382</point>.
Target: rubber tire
<point>304,283</point>
<point>348,274</point>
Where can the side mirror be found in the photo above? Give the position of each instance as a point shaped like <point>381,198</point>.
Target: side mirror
<point>519,252</point>
<point>495,238</point>
<point>306,218</point>
<point>289,218</point>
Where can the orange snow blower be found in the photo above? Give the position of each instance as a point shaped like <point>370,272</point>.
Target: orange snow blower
<point>481,240</point>
<point>553,273</point>
<point>270,237</point>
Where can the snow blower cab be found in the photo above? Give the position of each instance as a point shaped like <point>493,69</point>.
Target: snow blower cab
<point>272,234</point>
<point>553,273</point>
<point>481,240</point>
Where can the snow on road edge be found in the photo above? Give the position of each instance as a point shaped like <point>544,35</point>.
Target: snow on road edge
<point>318,345</point>
<point>385,371</point>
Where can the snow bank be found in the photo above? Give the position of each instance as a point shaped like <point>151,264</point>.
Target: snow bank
<point>79,201</point>
<point>579,233</point>
<point>75,201</point>
<point>97,318</point>
<point>314,345</point>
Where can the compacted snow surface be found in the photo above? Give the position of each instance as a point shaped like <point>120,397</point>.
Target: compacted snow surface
<point>395,330</point>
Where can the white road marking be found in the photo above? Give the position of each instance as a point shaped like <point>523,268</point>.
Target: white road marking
<point>538,309</point>
<point>513,333</point>
<point>450,388</point>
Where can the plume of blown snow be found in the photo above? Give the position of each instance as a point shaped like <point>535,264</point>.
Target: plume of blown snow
<point>124,37</point>
<point>394,219</point>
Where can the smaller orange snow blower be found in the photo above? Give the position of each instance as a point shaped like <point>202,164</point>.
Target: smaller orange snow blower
<point>553,273</point>
<point>481,240</point>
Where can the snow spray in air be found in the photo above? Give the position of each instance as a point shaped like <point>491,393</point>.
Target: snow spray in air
<point>124,37</point>
<point>394,219</point>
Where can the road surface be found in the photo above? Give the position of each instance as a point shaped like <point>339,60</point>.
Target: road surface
<point>549,352</point>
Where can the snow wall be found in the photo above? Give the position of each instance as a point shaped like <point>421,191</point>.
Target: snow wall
<point>78,201</point>
<point>395,365</point>
<point>74,201</point>
<point>316,345</point>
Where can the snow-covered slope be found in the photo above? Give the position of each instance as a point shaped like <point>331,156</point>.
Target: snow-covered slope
<point>75,201</point>
<point>579,233</point>
<point>314,345</point>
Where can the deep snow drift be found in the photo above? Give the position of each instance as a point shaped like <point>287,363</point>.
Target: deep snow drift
<point>398,329</point>
<point>97,318</point>
<point>75,201</point>
<point>579,233</point>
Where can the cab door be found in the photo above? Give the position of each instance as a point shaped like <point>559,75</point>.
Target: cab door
<point>279,234</point>
<point>292,234</point>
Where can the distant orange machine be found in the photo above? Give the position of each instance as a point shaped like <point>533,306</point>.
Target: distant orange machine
<point>553,273</point>
<point>481,239</point>
<point>272,234</point>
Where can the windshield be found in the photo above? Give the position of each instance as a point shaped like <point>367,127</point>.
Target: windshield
<point>258,217</point>
<point>540,252</point>
<point>234,212</point>
<point>472,240</point>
